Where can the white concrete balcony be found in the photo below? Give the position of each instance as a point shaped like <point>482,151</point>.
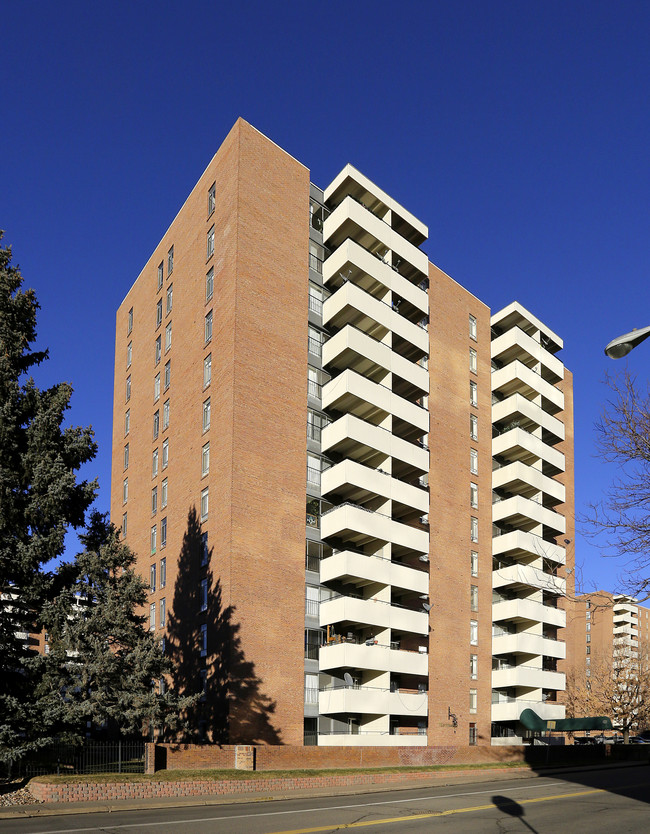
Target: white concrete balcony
<point>517,378</point>
<point>528,577</point>
<point>516,315</point>
<point>515,344</point>
<point>511,711</point>
<point>528,414</point>
<point>355,525</point>
<point>372,657</point>
<point>520,543</point>
<point>352,220</point>
<point>624,607</point>
<point>372,612</point>
<point>351,181</point>
<point>525,643</point>
<point>368,271</point>
<point>519,610</point>
<point>372,701</point>
<point>368,739</point>
<point>519,478</point>
<point>626,629</point>
<point>352,348</point>
<point>529,677</point>
<point>519,510</point>
<point>349,566</point>
<point>624,617</point>
<point>355,482</point>
<point>355,438</point>
<point>352,305</point>
<point>350,392</point>
<point>518,444</point>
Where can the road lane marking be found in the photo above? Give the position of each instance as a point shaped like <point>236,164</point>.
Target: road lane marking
<point>448,813</point>
<point>303,810</point>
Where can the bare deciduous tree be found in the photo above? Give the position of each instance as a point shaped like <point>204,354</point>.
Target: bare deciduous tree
<point>620,523</point>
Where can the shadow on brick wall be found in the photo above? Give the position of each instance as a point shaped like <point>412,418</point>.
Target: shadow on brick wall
<point>232,709</point>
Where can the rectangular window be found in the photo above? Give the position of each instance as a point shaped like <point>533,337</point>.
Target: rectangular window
<point>473,426</point>
<point>129,326</point>
<point>157,351</point>
<point>170,261</point>
<point>207,370</point>
<point>163,493</point>
<point>313,470</point>
<point>209,284</point>
<point>211,198</point>
<point>473,362</point>
<point>165,453</point>
<point>159,312</point>
<point>315,341</point>
<point>473,632</point>
<point>473,735</point>
<point>473,700</point>
<point>152,576</point>
<point>474,529</point>
<point>154,463</point>
<point>163,572</point>
<point>128,388</point>
<point>473,495</point>
<point>127,422</point>
<point>152,616</point>
<point>156,424</point>
<point>473,561</point>
<point>129,354</point>
<point>208,327</point>
<point>165,415</point>
<point>126,456</point>
<point>125,490</point>
<point>168,336</point>
<point>168,373</point>
<point>204,595</point>
<point>154,500</point>
<point>204,548</point>
<point>205,459</point>
<point>203,644</point>
<point>206,414</point>
<point>153,538</point>
<point>473,664</point>
<point>163,615</point>
<point>204,503</point>
<point>473,461</point>
<point>160,275</point>
<point>156,387</point>
<point>170,297</point>
<point>473,597</point>
<point>473,394</point>
<point>472,327</point>
<point>124,525</point>
<point>210,244</point>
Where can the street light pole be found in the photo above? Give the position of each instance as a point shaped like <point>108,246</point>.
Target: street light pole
<point>621,346</point>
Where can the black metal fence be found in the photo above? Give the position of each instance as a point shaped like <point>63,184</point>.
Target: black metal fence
<point>90,757</point>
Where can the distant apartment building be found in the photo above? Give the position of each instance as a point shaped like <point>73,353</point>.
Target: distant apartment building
<point>609,628</point>
<point>349,485</point>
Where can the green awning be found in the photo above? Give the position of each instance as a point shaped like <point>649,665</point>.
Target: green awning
<point>532,721</point>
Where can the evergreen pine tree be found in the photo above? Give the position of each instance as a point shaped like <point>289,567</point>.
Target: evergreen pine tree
<point>104,670</point>
<point>40,498</point>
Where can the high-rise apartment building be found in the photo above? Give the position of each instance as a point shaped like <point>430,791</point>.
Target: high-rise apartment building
<point>609,628</point>
<point>305,470</point>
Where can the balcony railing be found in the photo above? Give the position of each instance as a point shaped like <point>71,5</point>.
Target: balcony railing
<point>311,607</point>
<point>315,263</point>
<point>314,389</point>
<point>316,305</point>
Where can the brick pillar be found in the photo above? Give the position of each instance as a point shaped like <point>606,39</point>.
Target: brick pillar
<point>244,757</point>
<point>149,757</point>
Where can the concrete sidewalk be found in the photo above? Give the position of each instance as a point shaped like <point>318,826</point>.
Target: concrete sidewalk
<point>440,778</point>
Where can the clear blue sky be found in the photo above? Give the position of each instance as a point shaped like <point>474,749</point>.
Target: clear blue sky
<point>518,131</point>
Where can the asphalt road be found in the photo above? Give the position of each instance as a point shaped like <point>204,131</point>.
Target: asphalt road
<point>616,800</point>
